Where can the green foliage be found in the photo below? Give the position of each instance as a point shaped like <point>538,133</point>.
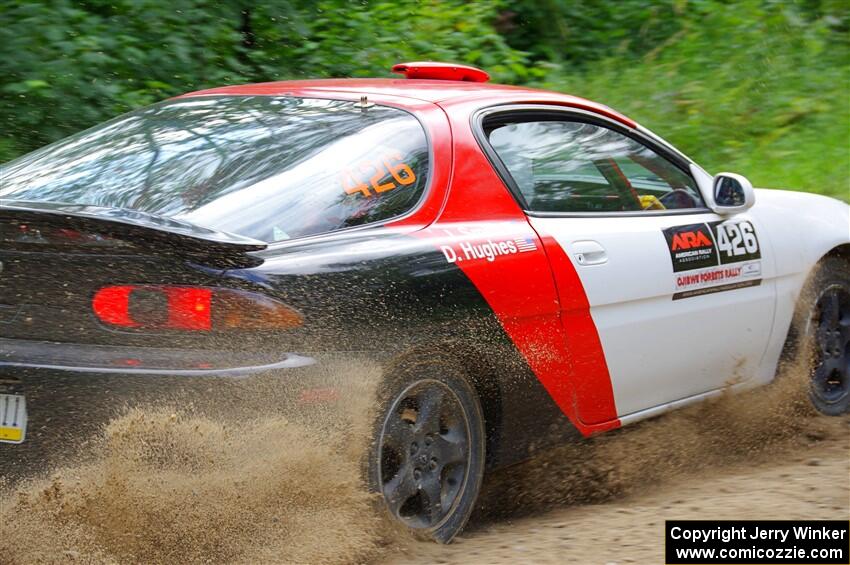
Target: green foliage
<point>756,86</point>
<point>67,65</point>
<point>581,32</point>
<point>760,88</point>
<point>367,39</point>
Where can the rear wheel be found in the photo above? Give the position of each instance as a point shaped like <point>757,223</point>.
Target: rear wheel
<point>826,330</point>
<point>427,457</point>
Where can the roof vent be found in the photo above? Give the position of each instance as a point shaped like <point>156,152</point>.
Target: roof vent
<point>440,71</point>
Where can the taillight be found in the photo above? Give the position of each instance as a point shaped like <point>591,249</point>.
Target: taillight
<point>159,307</point>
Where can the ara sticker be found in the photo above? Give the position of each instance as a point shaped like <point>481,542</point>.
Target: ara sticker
<point>713,257</point>
<point>691,247</point>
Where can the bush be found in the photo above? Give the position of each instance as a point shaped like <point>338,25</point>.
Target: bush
<point>756,86</point>
<point>753,87</point>
<point>68,65</point>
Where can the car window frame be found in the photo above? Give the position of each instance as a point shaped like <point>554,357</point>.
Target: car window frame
<point>549,112</point>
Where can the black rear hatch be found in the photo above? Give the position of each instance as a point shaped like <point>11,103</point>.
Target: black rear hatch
<point>56,257</point>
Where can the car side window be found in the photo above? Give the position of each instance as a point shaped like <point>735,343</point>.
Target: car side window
<point>572,166</point>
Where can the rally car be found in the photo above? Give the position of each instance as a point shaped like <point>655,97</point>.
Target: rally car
<point>525,266</point>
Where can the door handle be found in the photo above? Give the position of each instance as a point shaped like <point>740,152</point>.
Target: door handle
<point>588,252</point>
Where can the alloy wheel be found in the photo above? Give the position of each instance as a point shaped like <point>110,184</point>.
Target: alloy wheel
<point>424,454</point>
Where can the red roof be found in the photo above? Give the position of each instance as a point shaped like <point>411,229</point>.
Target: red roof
<point>433,91</point>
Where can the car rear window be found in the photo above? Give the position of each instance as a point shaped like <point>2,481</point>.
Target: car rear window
<point>271,168</point>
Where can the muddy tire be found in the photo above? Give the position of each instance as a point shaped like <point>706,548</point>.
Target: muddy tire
<point>822,324</point>
<point>427,454</point>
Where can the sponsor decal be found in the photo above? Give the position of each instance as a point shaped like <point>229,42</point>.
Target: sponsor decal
<point>717,279</point>
<point>736,241</point>
<point>691,247</point>
<point>713,289</point>
<point>713,257</point>
<point>487,251</point>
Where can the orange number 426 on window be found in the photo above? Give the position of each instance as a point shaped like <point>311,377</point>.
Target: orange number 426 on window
<point>373,174</point>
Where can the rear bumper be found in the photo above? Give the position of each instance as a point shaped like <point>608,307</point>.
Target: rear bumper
<point>147,361</point>
<point>73,391</point>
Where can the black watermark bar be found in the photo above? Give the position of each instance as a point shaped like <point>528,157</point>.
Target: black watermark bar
<point>763,542</point>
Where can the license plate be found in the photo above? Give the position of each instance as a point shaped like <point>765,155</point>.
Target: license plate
<point>13,418</point>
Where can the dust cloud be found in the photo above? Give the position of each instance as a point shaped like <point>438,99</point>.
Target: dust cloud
<point>756,426</point>
<point>190,485</point>
<point>168,485</point>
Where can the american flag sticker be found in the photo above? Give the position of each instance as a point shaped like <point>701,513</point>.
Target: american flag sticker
<point>525,244</point>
